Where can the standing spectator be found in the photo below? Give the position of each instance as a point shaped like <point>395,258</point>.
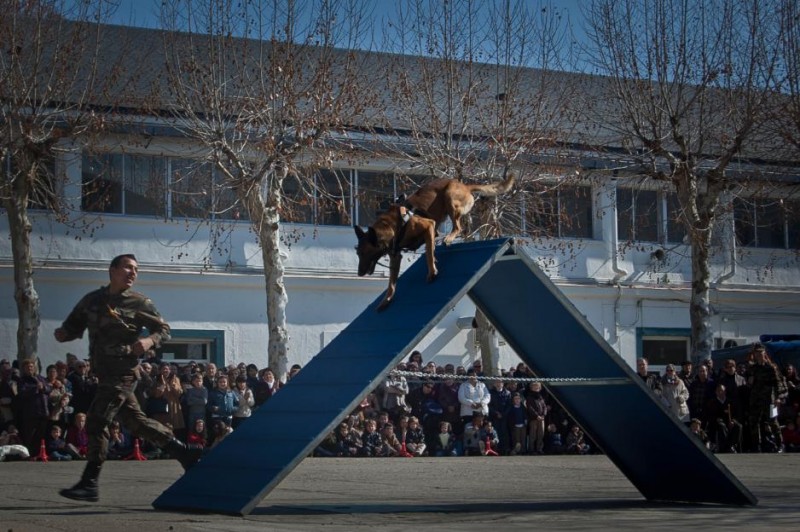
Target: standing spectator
<point>498,405</point>
<point>675,395</point>
<point>395,388</point>
<point>210,377</point>
<point>651,380</point>
<point>686,373</point>
<point>34,413</point>
<point>8,393</point>
<point>167,390</point>
<point>517,421</point>
<point>473,397</point>
<point>446,393</point>
<point>222,402</point>
<point>536,408</point>
<point>767,390</point>
<point>84,386</point>
<point>267,386</point>
<point>244,396</point>
<point>251,371</point>
<point>701,392</point>
<point>195,398</point>
<point>58,398</point>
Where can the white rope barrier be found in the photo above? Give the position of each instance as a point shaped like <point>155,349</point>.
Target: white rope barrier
<point>419,376</point>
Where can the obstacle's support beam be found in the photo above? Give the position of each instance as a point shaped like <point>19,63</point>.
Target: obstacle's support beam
<point>251,461</point>
<point>650,446</point>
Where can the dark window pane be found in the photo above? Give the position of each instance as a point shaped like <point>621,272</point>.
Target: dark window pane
<point>576,211</point>
<point>769,224</point>
<point>676,231</point>
<point>793,223</point>
<point>646,222</point>
<point>625,214</point>
<point>375,192</point>
<point>662,351</point>
<point>144,185</point>
<point>191,189</point>
<point>744,217</point>
<point>101,183</point>
<point>298,202</point>
<point>333,197</point>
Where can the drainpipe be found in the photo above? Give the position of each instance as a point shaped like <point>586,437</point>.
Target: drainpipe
<point>732,255</point>
<point>613,248</point>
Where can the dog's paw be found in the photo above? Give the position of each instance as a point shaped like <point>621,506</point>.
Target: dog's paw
<point>432,276</point>
<point>384,305</point>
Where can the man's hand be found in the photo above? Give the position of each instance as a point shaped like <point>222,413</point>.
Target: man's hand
<point>142,345</point>
<point>61,335</point>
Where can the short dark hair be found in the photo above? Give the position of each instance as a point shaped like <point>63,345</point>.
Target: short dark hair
<point>116,260</point>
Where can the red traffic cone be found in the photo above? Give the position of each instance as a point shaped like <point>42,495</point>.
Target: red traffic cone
<point>137,452</point>
<point>404,452</point>
<point>489,450</point>
<point>42,456</point>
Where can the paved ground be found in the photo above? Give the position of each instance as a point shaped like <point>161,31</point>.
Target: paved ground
<point>475,493</point>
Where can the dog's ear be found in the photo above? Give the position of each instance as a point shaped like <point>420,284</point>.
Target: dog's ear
<point>359,232</point>
<point>400,199</point>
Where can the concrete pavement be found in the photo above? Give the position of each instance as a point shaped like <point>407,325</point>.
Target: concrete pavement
<point>470,493</point>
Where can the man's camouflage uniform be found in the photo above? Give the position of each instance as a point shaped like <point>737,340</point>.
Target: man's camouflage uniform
<point>766,385</point>
<point>114,322</point>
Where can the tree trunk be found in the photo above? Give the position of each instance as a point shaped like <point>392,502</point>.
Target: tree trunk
<point>264,216</point>
<point>488,343</point>
<point>700,304</point>
<point>25,295</point>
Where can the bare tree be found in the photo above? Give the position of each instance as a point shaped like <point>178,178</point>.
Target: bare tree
<point>262,87</point>
<point>48,76</point>
<point>689,83</point>
<point>475,95</point>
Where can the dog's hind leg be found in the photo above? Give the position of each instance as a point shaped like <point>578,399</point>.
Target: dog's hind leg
<point>430,246</point>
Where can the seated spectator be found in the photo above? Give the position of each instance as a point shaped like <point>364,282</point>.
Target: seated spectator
<point>445,443</point>
<point>119,443</point>
<point>552,440</point>
<point>473,446</point>
<point>11,445</point>
<point>371,440</point>
<point>391,445</point>
<point>219,431</point>
<point>575,442</point>
<point>77,436</point>
<point>791,437</point>
<point>696,428</point>
<point>415,438</point>
<point>348,441</point>
<point>488,439</point>
<point>56,446</point>
<point>328,447</point>
<point>196,437</point>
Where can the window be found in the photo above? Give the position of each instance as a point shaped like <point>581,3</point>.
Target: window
<point>191,189</point>
<point>649,216</point>
<point>298,201</point>
<point>663,346</point>
<point>202,346</point>
<point>767,223</point>
<point>375,192</point>
<point>334,199</point>
<point>563,211</point>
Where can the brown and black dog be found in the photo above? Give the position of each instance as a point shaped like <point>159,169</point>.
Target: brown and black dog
<point>409,225</point>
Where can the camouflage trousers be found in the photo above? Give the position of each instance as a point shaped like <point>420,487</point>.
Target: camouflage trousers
<point>117,400</point>
<point>761,425</point>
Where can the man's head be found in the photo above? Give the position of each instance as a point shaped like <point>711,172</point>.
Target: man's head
<point>123,272</point>
<point>641,366</point>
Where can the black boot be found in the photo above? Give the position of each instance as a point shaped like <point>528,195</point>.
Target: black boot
<point>186,456</point>
<point>86,489</point>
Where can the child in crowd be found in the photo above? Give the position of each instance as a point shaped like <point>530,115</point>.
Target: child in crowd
<point>488,439</point>
<point>391,445</point>
<point>195,399</point>
<point>473,446</point>
<point>552,440</point>
<point>196,437</point>
<point>575,442</point>
<point>371,440</point>
<point>119,444</point>
<point>791,436</point>
<point>415,437</point>
<point>517,419</point>
<point>219,431</point>
<point>246,400</point>
<point>445,442</point>
<point>56,446</point>
<point>222,402</point>
<point>77,436</point>
<point>696,428</point>
<point>348,441</point>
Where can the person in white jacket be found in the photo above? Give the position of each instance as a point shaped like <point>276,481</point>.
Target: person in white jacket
<point>675,395</point>
<point>474,397</point>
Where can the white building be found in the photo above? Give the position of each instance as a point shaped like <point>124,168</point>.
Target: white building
<point>637,298</point>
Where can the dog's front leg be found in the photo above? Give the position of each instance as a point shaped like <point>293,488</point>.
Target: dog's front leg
<point>430,246</point>
<point>394,271</point>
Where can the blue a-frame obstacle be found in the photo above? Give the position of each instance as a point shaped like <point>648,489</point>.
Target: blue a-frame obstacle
<point>656,452</point>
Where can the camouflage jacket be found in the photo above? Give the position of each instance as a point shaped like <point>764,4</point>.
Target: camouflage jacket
<point>766,384</point>
<point>114,322</point>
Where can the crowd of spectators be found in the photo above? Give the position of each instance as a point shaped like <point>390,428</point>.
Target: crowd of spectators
<point>420,409</point>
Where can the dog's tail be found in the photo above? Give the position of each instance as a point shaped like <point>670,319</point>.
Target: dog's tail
<point>494,189</point>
